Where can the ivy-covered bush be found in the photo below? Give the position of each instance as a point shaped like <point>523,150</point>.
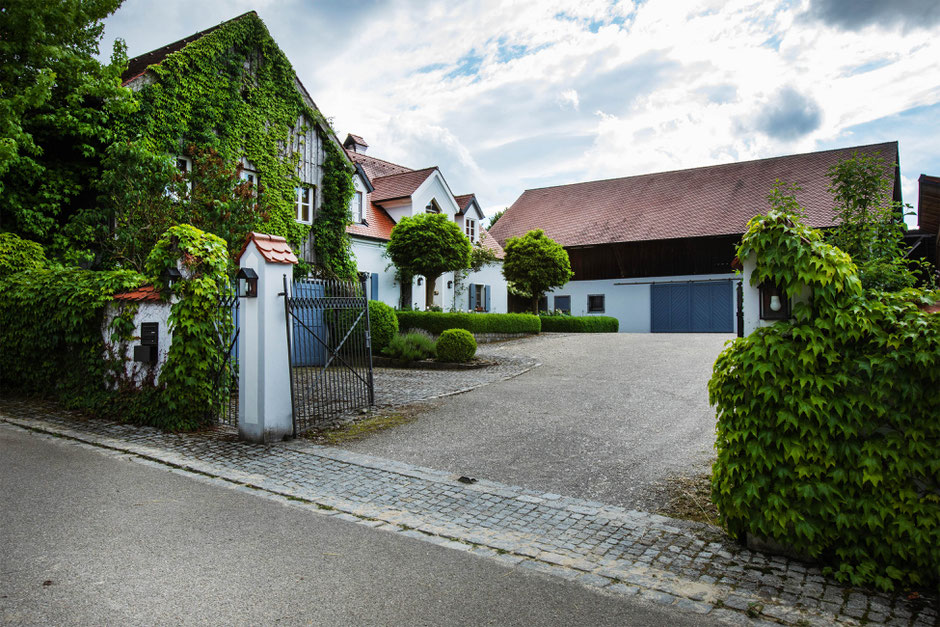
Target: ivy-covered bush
<point>50,334</point>
<point>410,347</point>
<point>18,254</point>
<point>456,346</point>
<point>383,325</point>
<point>438,322</point>
<point>580,324</point>
<point>829,424</point>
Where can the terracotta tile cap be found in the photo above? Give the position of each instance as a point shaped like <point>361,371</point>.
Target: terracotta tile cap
<point>142,293</point>
<point>273,248</point>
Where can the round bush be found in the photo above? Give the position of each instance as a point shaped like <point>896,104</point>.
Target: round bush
<point>384,324</point>
<point>456,345</point>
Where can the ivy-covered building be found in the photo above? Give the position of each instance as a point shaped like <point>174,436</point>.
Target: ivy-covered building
<point>231,89</point>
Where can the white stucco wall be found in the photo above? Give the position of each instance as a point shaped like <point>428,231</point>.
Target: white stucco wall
<point>752,319</point>
<point>628,300</point>
<point>147,311</point>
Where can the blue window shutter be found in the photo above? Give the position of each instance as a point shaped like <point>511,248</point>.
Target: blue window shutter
<point>375,286</point>
<point>473,296</point>
<point>486,289</point>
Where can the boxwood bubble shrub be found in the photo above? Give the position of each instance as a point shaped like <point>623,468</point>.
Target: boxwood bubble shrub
<point>383,323</point>
<point>456,345</point>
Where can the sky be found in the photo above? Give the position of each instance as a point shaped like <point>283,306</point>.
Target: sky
<point>509,95</point>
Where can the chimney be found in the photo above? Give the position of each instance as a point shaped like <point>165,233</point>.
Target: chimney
<point>355,143</point>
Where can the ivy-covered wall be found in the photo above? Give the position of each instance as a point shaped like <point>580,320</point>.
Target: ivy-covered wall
<point>233,90</point>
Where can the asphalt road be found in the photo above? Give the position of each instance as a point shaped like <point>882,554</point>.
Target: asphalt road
<point>607,417</point>
<point>88,538</point>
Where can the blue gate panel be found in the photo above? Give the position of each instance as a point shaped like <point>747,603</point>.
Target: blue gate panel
<point>306,349</point>
<point>702,307</point>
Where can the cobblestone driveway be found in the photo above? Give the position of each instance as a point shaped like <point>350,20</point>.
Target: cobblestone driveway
<point>689,567</point>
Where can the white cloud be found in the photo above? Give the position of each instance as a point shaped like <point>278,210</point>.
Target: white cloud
<point>568,99</point>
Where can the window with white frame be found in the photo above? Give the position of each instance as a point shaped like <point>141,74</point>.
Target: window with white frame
<point>250,177</point>
<point>185,167</point>
<point>355,208</point>
<point>304,197</point>
<point>470,228</point>
<point>432,207</point>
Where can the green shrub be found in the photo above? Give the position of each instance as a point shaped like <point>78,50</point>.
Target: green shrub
<point>383,324</point>
<point>580,324</point>
<point>829,424</point>
<point>410,347</point>
<point>436,323</point>
<point>456,345</point>
<point>18,254</point>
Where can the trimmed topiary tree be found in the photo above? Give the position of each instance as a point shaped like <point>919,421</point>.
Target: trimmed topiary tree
<point>428,244</point>
<point>534,264</point>
<point>383,323</point>
<point>456,345</point>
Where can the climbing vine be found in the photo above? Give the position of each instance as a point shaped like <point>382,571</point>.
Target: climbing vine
<point>196,360</point>
<point>333,249</point>
<point>828,424</point>
<point>234,91</point>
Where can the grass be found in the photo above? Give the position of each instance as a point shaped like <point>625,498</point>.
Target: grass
<point>361,429</point>
<point>690,498</point>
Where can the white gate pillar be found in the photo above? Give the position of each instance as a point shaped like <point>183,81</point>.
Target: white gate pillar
<point>264,396</point>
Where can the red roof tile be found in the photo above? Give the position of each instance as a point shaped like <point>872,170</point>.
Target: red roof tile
<point>142,293</point>
<point>273,248</point>
<point>378,224</point>
<point>354,139</point>
<point>713,200</point>
<point>488,241</point>
<point>398,185</point>
<point>463,201</point>
<point>375,168</point>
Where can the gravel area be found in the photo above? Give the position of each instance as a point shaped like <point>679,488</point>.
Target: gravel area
<point>608,417</point>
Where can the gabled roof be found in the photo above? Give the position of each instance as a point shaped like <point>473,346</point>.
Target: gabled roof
<point>463,202</point>
<point>143,293</point>
<point>139,64</point>
<point>378,224</point>
<point>354,140</point>
<point>700,202</point>
<point>928,203</point>
<point>487,241</point>
<point>376,168</point>
<point>273,248</point>
<point>399,185</point>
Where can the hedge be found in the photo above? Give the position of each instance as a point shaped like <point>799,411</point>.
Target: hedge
<point>580,324</point>
<point>437,322</point>
<point>383,323</point>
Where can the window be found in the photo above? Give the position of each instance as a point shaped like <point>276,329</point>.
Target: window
<point>185,166</point>
<point>595,303</point>
<point>432,207</point>
<point>479,297</point>
<point>355,207</point>
<point>304,203</point>
<point>251,177</point>
<point>563,303</point>
<point>470,228</point>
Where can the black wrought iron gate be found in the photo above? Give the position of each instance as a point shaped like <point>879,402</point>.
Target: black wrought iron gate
<point>329,348</point>
<point>227,376</point>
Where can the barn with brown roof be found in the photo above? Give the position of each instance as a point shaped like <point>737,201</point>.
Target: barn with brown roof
<point>655,250</point>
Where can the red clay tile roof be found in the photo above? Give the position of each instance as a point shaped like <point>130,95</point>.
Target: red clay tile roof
<point>354,139</point>
<point>928,203</point>
<point>398,185</point>
<point>273,248</point>
<point>379,224</point>
<point>488,242</point>
<point>138,65</point>
<point>375,168</point>
<point>142,293</point>
<point>713,200</point>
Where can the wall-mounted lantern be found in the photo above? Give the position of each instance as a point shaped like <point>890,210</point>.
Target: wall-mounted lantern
<point>774,304</point>
<point>420,280</point>
<point>171,276</point>
<point>450,284</point>
<point>247,280</point>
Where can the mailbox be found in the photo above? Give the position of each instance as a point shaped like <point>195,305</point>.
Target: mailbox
<point>149,339</point>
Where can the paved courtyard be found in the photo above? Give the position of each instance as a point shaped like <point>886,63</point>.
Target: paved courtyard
<point>609,417</point>
<point>690,568</point>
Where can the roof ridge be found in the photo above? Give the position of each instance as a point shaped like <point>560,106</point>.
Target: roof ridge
<point>717,165</point>
<point>397,165</point>
<point>429,169</point>
<point>197,35</point>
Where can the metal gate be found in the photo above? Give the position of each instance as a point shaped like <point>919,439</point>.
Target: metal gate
<point>227,376</point>
<point>692,307</point>
<point>329,348</point>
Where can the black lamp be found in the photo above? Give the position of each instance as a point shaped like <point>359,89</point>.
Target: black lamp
<point>420,280</point>
<point>774,304</point>
<point>247,282</point>
<point>170,276</point>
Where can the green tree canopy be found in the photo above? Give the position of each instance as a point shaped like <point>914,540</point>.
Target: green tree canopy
<point>535,264</point>
<point>428,244</point>
<point>871,224</point>
<point>59,109</point>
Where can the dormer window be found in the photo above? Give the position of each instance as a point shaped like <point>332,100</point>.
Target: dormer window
<point>432,207</point>
<point>470,228</point>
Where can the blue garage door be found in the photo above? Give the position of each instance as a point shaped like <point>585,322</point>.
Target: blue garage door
<point>703,307</point>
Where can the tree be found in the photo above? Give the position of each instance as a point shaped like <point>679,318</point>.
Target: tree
<point>535,264</point>
<point>496,216</point>
<point>59,109</point>
<point>428,244</point>
<point>480,257</point>
<point>871,224</point>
